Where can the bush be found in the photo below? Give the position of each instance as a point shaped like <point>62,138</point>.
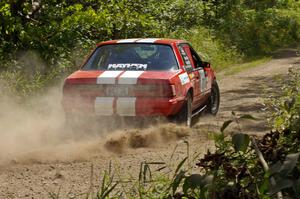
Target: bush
<point>210,48</point>
<point>63,32</point>
<point>286,108</point>
<point>256,28</point>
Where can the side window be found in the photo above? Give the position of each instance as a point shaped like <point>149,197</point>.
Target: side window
<point>196,58</point>
<point>185,57</point>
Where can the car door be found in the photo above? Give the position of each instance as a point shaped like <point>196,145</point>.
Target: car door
<point>204,73</point>
<point>194,75</point>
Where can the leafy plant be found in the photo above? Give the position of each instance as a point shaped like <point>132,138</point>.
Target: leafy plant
<point>286,114</point>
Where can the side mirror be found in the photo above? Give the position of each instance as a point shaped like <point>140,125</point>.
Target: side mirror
<point>206,64</point>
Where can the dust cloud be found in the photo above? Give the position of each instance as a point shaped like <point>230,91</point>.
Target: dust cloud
<point>149,137</point>
<point>35,132</point>
<point>31,125</point>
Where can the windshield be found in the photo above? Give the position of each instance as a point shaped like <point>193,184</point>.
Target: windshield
<point>132,57</point>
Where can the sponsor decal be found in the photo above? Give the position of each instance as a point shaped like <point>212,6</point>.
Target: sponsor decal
<point>191,75</point>
<point>132,66</point>
<point>185,57</point>
<point>184,78</point>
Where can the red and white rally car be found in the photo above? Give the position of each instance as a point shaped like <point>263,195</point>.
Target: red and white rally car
<point>142,78</point>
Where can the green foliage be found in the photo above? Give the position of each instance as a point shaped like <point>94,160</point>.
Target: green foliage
<point>63,32</point>
<point>254,27</point>
<point>240,142</point>
<point>286,114</point>
<point>209,47</point>
<point>27,77</point>
<point>233,164</point>
<point>107,186</point>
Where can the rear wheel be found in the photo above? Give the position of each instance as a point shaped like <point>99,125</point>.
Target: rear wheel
<point>185,114</point>
<point>213,102</point>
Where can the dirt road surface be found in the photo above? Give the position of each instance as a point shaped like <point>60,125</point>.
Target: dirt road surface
<point>65,165</point>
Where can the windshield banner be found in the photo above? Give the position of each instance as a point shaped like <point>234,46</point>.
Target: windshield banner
<point>128,66</point>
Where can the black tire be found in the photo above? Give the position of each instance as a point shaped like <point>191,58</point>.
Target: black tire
<point>213,102</point>
<point>185,114</point>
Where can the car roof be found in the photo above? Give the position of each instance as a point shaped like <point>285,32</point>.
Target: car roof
<point>143,40</point>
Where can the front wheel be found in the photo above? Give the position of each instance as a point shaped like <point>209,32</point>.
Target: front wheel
<point>213,102</point>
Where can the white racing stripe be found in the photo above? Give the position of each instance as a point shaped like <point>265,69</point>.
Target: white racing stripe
<point>126,106</point>
<point>127,40</point>
<point>104,106</point>
<point>108,77</point>
<point>129,77</point>
<point>150,40</point>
